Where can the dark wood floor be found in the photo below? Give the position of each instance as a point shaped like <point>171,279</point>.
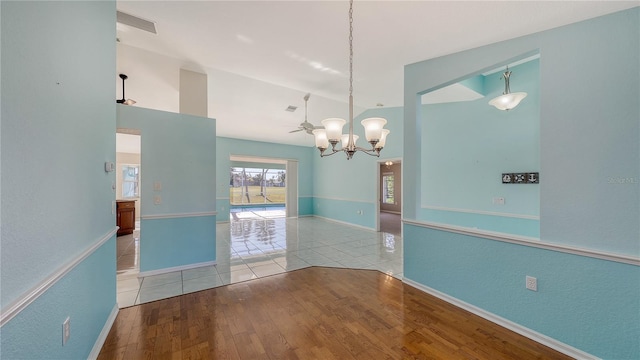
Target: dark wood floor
<point>313,313</point>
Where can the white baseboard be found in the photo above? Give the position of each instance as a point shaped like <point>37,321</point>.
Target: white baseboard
<point>345,223</point>
<point>175,268</point>
<point>517,328</point>
<point>102,337</point>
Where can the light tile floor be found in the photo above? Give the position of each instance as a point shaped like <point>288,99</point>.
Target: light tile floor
<point>254,248</point>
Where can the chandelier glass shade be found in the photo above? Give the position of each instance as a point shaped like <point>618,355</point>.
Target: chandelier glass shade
<point>332,134</point>
<point>507,100</point>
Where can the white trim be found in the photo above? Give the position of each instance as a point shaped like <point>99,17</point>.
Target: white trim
<point>180,215</point>
<point>345,223</point>
<point>517,328</point>
<point>482,212</point>
<point>528,241</point>
<point>175,268</point>
<point>24,300</point>
<point>259,159</point>
<point>299,196</point>
<point>97,346</point>
<point>342,199</point>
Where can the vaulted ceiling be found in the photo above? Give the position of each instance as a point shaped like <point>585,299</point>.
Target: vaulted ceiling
<point>302,46</point>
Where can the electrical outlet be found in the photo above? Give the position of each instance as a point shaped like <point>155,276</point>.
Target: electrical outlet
<point>498,201</point>
<point>157,200</point>
<point>532,283</point>
<point>66,331</point>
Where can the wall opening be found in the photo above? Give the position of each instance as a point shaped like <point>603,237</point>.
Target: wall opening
<point>128,171</point>
<point>390,196</point>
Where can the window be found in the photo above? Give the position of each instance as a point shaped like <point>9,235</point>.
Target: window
<point>130,181</point>
<point>257,185</point>
<point>387,190</point>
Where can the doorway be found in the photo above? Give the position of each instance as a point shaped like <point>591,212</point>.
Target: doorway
<point>262,188</point>
<point>390,196</point>
<point>127,213</point>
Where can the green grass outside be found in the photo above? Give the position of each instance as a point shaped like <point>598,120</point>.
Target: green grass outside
<point>275,195</point>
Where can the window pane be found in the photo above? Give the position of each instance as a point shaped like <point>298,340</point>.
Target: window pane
<point>257,186</point>
<point>387,189</point>
<point>130,179</point>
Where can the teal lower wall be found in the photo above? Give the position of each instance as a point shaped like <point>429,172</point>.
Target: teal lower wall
<point>503,224</point>
<point>305,206</point>
<point>590,304</point>
<point>87,295</point>
<point>171,242</point>
<point>346,211</point>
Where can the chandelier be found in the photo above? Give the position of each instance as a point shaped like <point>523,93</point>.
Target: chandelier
<point>507,100</point>
<point>374,132</point>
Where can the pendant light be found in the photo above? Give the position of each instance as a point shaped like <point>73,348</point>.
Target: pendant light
<point>332,132</point>
<point>507,100</point>
<point>123,101</point>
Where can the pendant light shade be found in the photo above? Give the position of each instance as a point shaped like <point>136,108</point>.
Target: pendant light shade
<point>383,139</point>
<point>507,100</point>
<point>322,142</point>
<point>345,140</point>
<point>373,128</point>
<point>333,127</point>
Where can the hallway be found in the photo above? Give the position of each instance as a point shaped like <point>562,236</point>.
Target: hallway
<point>391,223</point>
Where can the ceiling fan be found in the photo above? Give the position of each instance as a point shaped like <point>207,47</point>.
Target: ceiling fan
<point>305,125</point>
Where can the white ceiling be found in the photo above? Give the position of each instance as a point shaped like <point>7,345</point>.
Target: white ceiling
<point>297,47</point>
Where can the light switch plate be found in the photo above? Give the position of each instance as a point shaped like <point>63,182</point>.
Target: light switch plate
<point>66,331</point>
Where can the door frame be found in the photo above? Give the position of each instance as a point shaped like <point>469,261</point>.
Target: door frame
<point>291,204</point>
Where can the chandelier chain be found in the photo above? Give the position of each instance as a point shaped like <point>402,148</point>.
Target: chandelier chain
<point>373,124</point>
<point>351,48</point>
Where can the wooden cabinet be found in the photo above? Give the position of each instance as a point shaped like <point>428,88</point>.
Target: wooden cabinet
<point>126,216</point>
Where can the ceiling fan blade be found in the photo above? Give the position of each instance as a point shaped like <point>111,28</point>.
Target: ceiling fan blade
<point>293,131</point>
